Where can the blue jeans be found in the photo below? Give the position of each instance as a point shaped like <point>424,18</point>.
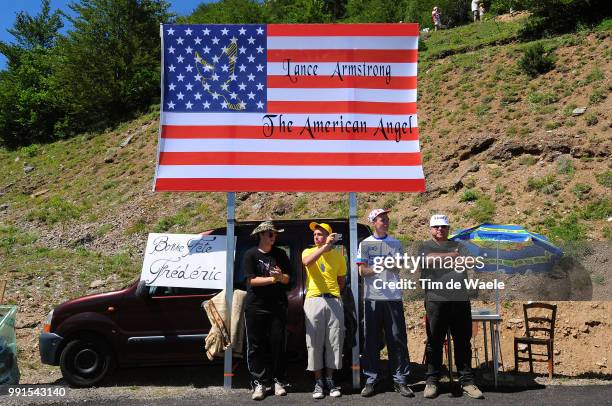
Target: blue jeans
<point>388,317</point>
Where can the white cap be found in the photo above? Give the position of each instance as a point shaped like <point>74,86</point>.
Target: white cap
<point>439,220</point>
<point>375,213</point>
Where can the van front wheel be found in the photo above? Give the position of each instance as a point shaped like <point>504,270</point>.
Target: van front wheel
<point>86,361</point>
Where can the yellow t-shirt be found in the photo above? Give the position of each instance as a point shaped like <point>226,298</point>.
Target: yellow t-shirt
<point>322,275</point>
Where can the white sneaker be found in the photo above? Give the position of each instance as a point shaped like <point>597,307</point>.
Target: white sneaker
<point>259,393</point>
<point>334,390</point>
<point>318,392</point>
<point>279,389</point>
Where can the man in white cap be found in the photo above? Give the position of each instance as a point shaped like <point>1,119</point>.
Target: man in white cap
<point>325,280</point>
<point>383,309</point>
<point>446,308</point>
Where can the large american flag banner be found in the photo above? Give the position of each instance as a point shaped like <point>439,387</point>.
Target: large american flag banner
<point>289,107</point>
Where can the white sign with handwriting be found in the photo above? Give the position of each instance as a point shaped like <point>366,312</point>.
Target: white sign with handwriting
<point>185,260</point>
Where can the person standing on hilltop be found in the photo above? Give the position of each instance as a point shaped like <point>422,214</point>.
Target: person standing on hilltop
<point>436,17</point>
<point>475,12</point>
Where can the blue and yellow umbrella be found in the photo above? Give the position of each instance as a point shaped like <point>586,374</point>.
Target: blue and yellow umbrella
<point>509,248</point>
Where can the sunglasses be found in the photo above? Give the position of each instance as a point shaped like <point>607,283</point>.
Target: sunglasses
<point>439,226</point>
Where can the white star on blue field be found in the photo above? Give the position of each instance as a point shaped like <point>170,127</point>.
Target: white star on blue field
<point>214,68</point>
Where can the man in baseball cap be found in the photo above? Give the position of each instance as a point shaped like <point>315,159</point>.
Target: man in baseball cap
<point>383,309</point>
<point>446,309</point>
<point>325,280</point>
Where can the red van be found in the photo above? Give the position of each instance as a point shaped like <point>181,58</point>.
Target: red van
<point>88,337</point>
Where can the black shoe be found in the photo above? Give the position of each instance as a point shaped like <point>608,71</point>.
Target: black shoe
<point>403,389</point>
<point>368,390</point>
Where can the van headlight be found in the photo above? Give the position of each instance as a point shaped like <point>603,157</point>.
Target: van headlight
<point>47,323</point>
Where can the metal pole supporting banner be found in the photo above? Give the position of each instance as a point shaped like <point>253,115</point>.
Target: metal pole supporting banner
<point>228,372</point>
<point>354,283</point>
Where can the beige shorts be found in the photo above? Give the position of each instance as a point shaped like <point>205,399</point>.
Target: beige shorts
<point>324,332</point>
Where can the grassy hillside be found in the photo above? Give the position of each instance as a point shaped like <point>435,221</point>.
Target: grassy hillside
<point>497,145</point>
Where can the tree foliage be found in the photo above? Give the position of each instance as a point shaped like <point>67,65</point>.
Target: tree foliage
<point>28,110</point>
<point>559,16</point>
<point>32,32</point>
<point>536,61</point>
<point>225,12</point>
<point>454,12</point>
<point>106,68</point>
<point>103,70</point>
<point>111,59</point>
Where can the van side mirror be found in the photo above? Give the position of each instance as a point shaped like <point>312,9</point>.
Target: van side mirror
<point>142,290</point>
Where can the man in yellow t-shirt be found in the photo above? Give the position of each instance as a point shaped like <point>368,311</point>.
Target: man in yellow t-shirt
<point>325,280</point>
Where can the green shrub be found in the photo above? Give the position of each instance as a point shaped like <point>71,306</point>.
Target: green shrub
<point>549,17</point>
<point>498,7</point>
<point>595,76</point>
<point>104,228</point>
<point>300,204</point>
<point>164,224</point>
<point>389,203</point>
<point>591,118</point>
<point>565,166</point>
<point>30,151</point>
<point>597,96</point>
<point>483,211</point>
<point>499,189</point>
<point>598,210</point>
<point>528,160</point>
<point>482,110</point>
<point>604,178</point>
<point>109,184</point>
<point>547,184</point>
<point>607,232</point>
<point>581,190</point>
<point>543,98</point>
<point>551,125</point>
<point>487,99</point>
<point>468,195</point>
<point>11,239</point>
<point>567,231</point>
<point>55,210</point>
<point>138,227</point>
<point>496,172</point>
<point>536,61</point>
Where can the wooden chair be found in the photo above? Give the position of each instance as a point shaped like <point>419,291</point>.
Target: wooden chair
<point>540,331</point>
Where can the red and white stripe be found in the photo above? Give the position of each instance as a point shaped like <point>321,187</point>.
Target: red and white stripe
<point>229,152</point>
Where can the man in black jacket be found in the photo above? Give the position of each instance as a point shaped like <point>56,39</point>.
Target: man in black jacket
<point>446,307</point>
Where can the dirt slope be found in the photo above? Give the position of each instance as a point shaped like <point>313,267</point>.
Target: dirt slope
<point>497,145</point>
